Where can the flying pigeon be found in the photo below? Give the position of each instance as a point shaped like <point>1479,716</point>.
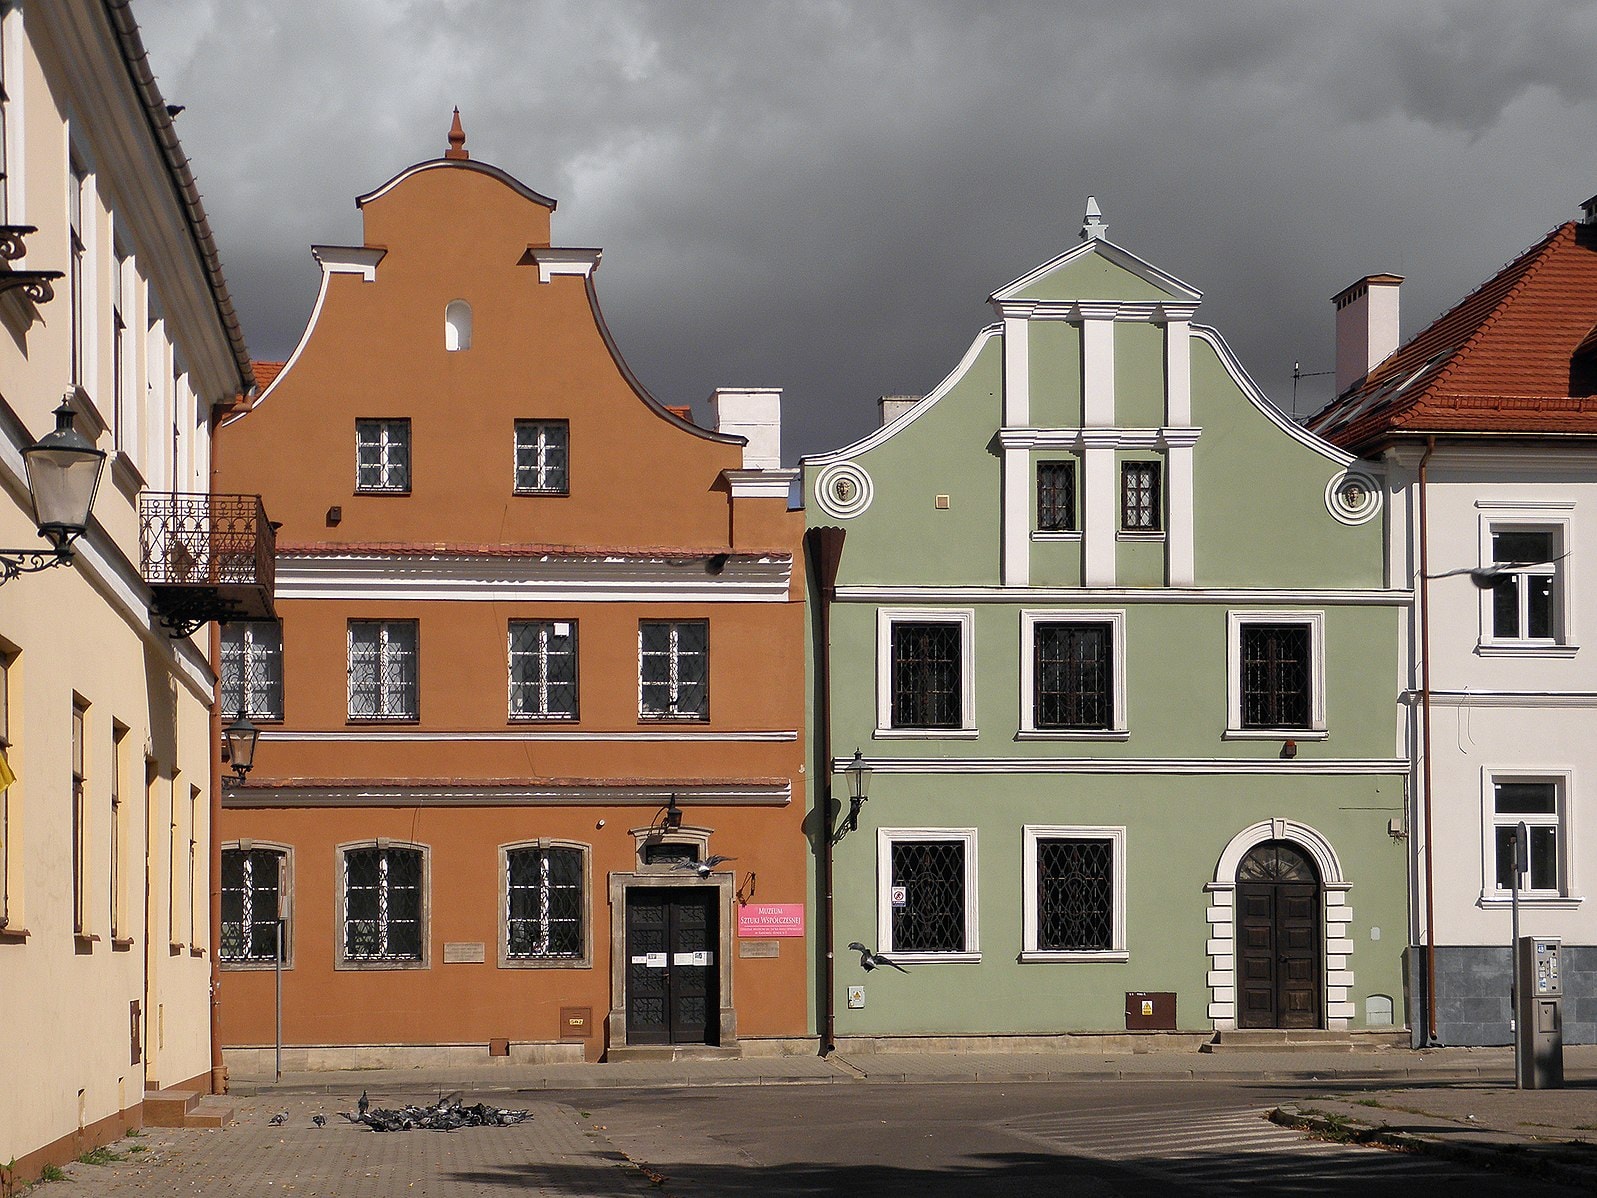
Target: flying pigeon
<point>363,1104</point>
<point>319,1120</point>
<point>703,868</point>
<point>278,1119</point>
<point>869,960</point>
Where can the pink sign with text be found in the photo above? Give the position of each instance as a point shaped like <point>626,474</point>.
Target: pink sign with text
<point>771,919</point>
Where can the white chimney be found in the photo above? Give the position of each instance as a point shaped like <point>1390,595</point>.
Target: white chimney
<point>1366,328</point>
<point>894,406</point>
<point>754,413</point>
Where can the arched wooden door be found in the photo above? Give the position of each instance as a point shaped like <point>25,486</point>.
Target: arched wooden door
<point>1280,939</point>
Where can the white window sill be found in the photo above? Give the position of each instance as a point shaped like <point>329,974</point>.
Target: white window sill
<point>925,734</point>
<point>1276,734</point>
<point>1051,534</point>
<point>934,958</point>
<point>1494,901</point>
<point>1524,649</point>
<point>1031,955</point>
<point>1150,534</point>
<point>1073,734</point>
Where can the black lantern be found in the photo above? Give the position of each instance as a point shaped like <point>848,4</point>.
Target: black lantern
<point>240,737</point>
<point>859,777</point>
<point>63,471</point>
<point>673,816</point>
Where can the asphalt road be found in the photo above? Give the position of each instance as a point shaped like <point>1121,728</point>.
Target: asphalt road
<point>1014,1139</point>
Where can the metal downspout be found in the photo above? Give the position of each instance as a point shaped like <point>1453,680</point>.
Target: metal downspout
<point>825,547</point>
<point>1425,750</point>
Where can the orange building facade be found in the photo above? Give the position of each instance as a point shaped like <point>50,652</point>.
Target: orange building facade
<point>529,778</point>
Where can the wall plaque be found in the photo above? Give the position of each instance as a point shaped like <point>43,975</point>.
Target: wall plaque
<point>464,952</point>
<point>575,1022</point>
<point>771,919</point>
<point>759,948</point>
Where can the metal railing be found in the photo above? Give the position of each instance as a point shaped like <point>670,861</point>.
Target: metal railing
<point>190,539</point>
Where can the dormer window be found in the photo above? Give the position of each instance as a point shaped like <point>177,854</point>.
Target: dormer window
<point>457,325</point>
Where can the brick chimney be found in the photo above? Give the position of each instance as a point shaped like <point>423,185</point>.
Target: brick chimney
<point>1366,328</point>
<point>755,413</point>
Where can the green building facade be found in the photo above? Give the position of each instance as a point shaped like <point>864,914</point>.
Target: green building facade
<point>1116,641</point>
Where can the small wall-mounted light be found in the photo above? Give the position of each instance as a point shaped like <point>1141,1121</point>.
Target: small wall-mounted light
<point>672,820</point>
<point>335,515</point>
<point>238,744</point>
<point>63,472</point>
<point>859,777</point>
<point>1289,750</point>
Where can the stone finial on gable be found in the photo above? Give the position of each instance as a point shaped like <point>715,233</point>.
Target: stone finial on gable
<point>1092,223</point>
<point>457,139</point>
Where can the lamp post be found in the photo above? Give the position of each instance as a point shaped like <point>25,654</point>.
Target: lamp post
<point>859,777</point>
<point>63,471</point>
<point>240,737</point>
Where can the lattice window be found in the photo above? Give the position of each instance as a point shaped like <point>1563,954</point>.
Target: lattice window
<point>1536,805</point>
<point>382,904</point>
<point>383,682</point>
<point>1056,496</point>
<point>252,669</point>
<point>1276,861</point>
<point>542,457</point>
<point>252,882</point>
<point>1140,506</point>
<point>932,919</point>
<point>1075,895</point>
<point>545,903</point>
<point>1277,675</point>
<point>543,669</point>
<point>382,455</point>
<point>1523,596</point>
<point>1074,675</point>
<point>926,685</point>
<point>674,669</point>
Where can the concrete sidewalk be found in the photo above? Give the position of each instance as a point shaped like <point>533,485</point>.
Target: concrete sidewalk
<point>1396,1065</point>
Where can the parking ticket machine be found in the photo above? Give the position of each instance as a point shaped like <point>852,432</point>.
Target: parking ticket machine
<point>1539,1012</point>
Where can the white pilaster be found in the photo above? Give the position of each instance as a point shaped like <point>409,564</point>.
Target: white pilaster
<point>1097,365</point>
<point>1178,371</point>
<point>1179,566</point>
<point>1017,372</point>
<point>1099,515</point>
<point>1016,564</point>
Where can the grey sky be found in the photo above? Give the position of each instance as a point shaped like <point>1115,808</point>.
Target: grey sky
<point>821,196</point>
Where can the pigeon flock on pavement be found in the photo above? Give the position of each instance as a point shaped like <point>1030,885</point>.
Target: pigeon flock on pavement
<point>447,1114</point>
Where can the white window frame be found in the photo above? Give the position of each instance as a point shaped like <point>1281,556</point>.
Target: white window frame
<point>1530,519</point>
<point>250,651</point>
<point>885,839</point>
<point>540,443</point>
<point>285,902</point>
<point>385,428</point>
<point>886,618</point>
<point>1029,620</point>
<point>1563,783</point>
<point>541,684</point>
<point>584,959</point>
<point>1030,835</point>
<point>384,634</point>
<point>1235,621</point>
<point>341,959</point>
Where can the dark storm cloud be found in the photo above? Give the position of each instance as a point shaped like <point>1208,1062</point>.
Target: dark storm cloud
<point>821,196</point>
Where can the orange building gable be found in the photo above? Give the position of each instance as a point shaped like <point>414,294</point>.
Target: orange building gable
<point>531,618</point>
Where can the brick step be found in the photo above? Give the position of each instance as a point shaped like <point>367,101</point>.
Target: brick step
<point>168,1108</point>
<point>213,1110</point>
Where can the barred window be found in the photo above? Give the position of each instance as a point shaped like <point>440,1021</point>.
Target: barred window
<point>383,682</point>
<point>252,669</point>
<point>1074,676</point>
<point>674,669</point>
<point>1075,895</point>
<point>1277,675</point>
<point>252,886</point>
<point>543,669</point>
<point>382,455</point>
<point>931,918</point>
<point>1056,496</point>
<point>383,904</point>
<point>542,450</point>
<point>1141,509</point>
<point>926,685</point>
<point>544,903</point>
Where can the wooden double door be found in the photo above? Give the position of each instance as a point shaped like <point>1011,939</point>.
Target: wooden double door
<point>673,935</point>
<point>1279,939</point>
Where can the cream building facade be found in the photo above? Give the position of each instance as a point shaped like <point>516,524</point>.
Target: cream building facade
<point>110,296</point>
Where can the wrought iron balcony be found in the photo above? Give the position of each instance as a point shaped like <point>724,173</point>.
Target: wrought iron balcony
<point>207,557</point>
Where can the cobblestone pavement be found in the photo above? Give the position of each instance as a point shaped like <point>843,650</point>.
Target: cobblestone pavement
<point>555,1152</point>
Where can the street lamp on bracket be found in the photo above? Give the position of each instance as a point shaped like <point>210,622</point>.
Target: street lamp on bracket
<point>63,471</point>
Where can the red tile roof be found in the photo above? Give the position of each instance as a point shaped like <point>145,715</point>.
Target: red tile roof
<point>266,373</point>
<point>1497,362</point>
<point>461,549</point>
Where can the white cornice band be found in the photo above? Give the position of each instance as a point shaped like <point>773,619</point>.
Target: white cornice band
<point>867,593</point>
<point>580,263</point>
<point>530,579</point>
<point>1126,765</point>
<point>1098,438</point>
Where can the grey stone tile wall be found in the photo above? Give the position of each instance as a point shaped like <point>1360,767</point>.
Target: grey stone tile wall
<point>1472,994</point>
